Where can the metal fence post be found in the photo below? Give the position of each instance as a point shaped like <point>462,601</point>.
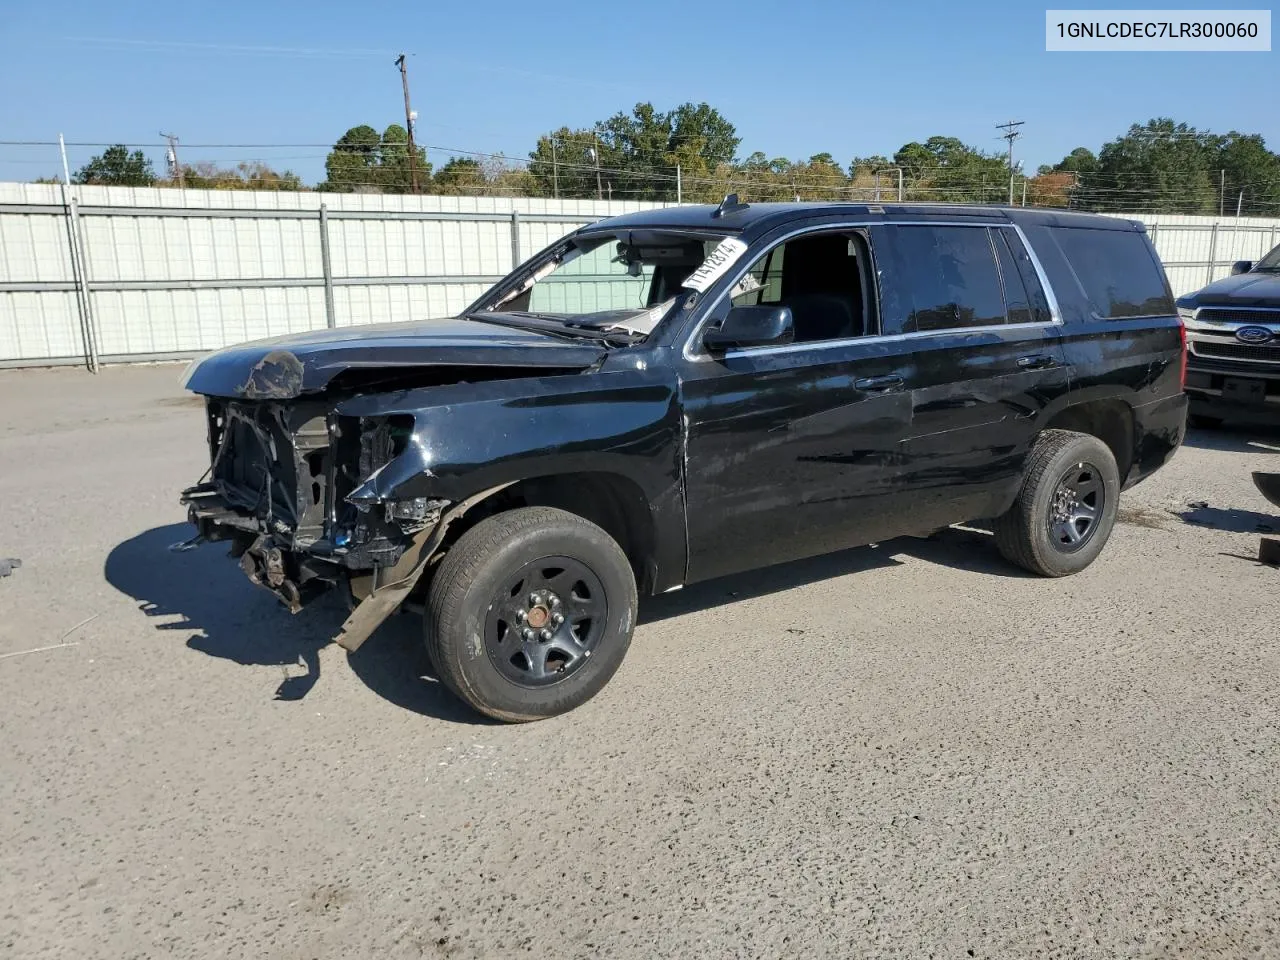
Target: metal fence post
<point>1213,254</point>
<point>80,271</point>
<point>330,317</point>
<point>515,239</point>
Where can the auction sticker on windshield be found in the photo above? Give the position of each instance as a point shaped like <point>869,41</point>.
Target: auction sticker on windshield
<point>716,265</point>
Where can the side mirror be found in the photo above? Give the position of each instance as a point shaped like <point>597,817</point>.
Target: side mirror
<point>751,327</point>
<point>1241,266</point>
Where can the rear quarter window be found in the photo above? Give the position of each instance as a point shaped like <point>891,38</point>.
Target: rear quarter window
<point>1117,272</point>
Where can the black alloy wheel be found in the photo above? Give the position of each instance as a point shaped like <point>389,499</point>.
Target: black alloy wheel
<point>1066,507</point>
<point>546,621</point>
<point>1077,504</point>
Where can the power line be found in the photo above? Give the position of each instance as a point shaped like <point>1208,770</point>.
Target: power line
<point>266,51</point>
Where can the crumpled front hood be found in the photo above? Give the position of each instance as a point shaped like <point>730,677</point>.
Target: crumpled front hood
<point>286,367</point>
<point>1242,290</point>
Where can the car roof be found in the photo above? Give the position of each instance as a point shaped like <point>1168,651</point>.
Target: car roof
<point>761,216</point>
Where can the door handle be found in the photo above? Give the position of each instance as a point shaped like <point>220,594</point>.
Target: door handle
<point>1040,361</point>
<point>879,384</point>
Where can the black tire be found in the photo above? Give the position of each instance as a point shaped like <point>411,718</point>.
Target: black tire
<point>1038,530</point>
<point>480,651</point>
<point>1200,422</point>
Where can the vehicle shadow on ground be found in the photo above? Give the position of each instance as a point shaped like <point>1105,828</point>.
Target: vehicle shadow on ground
<point>964,548</point>
<point>1232,438</point>
<point>1232,521</point>
<point>203,592</point>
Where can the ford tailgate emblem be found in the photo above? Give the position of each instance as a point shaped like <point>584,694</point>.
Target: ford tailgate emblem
<point>1253,334</point>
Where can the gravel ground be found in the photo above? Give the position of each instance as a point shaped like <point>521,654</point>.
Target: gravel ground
<point>909,750</point>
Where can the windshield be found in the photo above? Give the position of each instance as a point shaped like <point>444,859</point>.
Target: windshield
<point>1270,262</point>
<point>623,282</point>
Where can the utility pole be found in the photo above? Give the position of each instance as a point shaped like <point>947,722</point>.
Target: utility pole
<point>408,119</point>
<point>596,154</point>
<point>1011,134</point>
<point>174,167</point>
<point>1222,192</point>
<point>555,170</point>
<point>679,185</point>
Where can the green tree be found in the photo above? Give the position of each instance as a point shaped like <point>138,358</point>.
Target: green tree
<point>716,138</point>
<point>116,166</point>
<point>562,164</point>
<point>634,150</point>
<point>363,161</point>
<point>392,162</point>
<point>637,154</point>
<point>1248,173</point>
<point>352,164</point>
<point>1161,167</point>
<point>461,175</point>
<point>945,170</point>
<point>250,175</point>
<point>860,167</point>
<point>1079,160</point>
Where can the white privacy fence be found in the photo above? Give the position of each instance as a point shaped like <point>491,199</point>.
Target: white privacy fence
<point>120,273</point>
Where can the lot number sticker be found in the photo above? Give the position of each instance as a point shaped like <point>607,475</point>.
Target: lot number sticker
<point>716,265</point>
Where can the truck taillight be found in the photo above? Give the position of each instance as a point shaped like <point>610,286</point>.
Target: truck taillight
<point>1182,335</point>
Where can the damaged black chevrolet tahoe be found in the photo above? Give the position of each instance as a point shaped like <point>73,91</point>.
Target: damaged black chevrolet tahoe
<point>680,394</point>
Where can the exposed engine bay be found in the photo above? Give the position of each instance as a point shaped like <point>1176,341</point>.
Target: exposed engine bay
<point>278,490</point>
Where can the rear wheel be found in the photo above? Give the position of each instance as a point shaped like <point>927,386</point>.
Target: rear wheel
<point>530,613</point>
<point>1066,508</point>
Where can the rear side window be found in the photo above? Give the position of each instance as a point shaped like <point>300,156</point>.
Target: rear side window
<point>1023,293</point>
<point>1116,270</point>
<point>940,278</point>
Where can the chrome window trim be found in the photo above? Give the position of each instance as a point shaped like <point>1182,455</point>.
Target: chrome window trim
<point>1055,312</point>
<point>879,338</point>
<point>691,352</point>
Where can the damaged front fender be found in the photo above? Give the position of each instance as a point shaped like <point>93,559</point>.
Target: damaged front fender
<point>400,579</point>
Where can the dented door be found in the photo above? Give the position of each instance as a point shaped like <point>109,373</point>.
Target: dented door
<point>793,451</point>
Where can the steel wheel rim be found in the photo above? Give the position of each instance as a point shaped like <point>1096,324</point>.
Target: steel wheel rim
<point>545,621</point>
<point>1075,509</point>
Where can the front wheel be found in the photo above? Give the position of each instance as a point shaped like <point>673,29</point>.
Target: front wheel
<point>530,613</point>
<point>1066,508</point>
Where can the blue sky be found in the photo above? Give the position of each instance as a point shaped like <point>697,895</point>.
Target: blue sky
<point>796,78</point>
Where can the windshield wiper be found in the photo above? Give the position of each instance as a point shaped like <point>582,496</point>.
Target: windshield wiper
<point>552,325</point>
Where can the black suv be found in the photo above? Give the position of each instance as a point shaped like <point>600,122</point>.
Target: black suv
<point>1233,332</point>
<point>685,393</point>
